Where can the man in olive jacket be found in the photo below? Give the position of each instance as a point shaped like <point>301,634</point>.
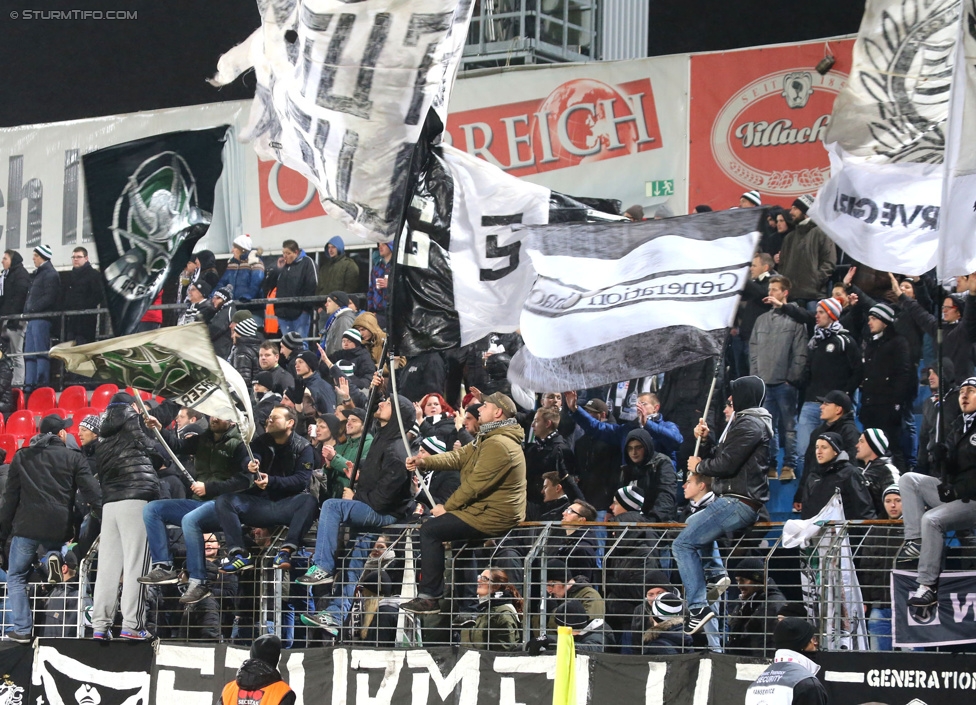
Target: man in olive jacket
<point>489,502</point>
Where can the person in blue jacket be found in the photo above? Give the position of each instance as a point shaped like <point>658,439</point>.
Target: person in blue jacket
<point>245,270</point>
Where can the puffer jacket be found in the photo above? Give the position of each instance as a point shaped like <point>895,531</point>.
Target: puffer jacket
<point>244,357</point>
<point>807,259</point>
<point>655,477</point>
<point>125,470</point>
<point>825,479</point>
<point>738,462</point>
<point>879,474</point>
<point>45,290</point>
<point>244,275</point>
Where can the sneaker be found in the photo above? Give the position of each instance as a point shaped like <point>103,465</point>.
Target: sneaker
<point>18,637</point>
<point>141,635</point>
<point>421,605</point>
<point>787,474</point>
<point>716,589</point>
<point>697,619</point>
<point>923,597</point>
<point>316,576</point>
<point>283,560</point>
<point>464,621</point>
<point>909,552</point>
<point>771,474</point>
<point>236,563</point>
<point>54,568</point>
<point>184,577</point>
<point>102,636</point>
<point>324,620</point>
<point>195,593</point>
<point>160,575</point>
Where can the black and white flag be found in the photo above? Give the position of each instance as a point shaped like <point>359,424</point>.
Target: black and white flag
<point>343,90</point>
<point>150,201</point>
<point>618,301</point>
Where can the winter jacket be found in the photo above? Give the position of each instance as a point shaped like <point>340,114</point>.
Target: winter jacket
<point>293,280</point>
<point>904,323</point>
<point>384,483</point>
<point>288,466</point>
<point>832,363</point>
<point>957,338</point>
<point>58,612</point>
<point>578,550</point>
<point>423,373</point>
<point>347,451</point>
<point>39,495</point>
<point>367,320</point>
<point>497,627</point>
<point>879,474</point>
<point>960,462</point>
<point>339,273</point>
<point>125,470</point>
<point>16,284</point>
<point>491,497</point>
<point>655,477</point>
<point>875,557</point>
<point>45,290</point>
<point>751,306</point>
<point>751,622</point>
<point>626,566</point>
<point>807,259</point>
<point>363,366</point>
<point>778,349</point>
<point>335,325</point>
<point>82,291</point>
<point>441,486</point>
<point>845,427</point>
<point>889,379</point>
<point>218,464</point>
<point>441,427</point>
<point>208,268</point>
<point>738,462</point>
<point>598,464</point>
<point>821,481</point>
<point>665,434</point>
<point>244,358</point>
<point>657,638</point>
<point>795,678</point>
<point>550,454</point>
<point>244,275</point>
<point>323,393</point>
<point>218,325</point>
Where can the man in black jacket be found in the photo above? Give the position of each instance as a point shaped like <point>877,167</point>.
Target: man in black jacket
<point>549,452</point>
<point>294,276</point>
<point>833,471</point>
<point>44,296</point>
<point>837,416</point>
<point>82,291</point>
<point>323,393</point>
<point>37,510</point>
<point>278,495</point>
<point>652,473</point>
<point>13,298</point>
<point>738,465</point>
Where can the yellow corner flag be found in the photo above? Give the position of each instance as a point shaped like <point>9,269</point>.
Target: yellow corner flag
<point>564,684</point>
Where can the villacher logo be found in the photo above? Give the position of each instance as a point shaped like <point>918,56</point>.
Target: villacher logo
<point>789,108</point>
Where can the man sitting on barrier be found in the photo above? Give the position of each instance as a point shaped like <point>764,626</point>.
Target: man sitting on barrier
<point>737,464</point>
<point>933,506</point>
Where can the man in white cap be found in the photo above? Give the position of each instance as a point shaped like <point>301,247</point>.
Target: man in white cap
<point>44,295</point>
<point>245,270</point>
<point>750,199</point>
<point>808,256</point>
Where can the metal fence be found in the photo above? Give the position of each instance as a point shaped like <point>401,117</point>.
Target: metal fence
<point>610,568</point>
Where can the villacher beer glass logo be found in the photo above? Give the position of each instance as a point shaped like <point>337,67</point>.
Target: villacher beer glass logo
<point>786,109</point>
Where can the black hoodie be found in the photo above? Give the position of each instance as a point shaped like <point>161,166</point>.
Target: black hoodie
<point>384,483</point>
<point>15,287</point>
<point>655,478</point>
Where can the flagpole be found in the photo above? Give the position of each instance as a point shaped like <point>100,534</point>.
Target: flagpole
<point>370,410</point>
<point>159,437</point>
<point>708,400</point>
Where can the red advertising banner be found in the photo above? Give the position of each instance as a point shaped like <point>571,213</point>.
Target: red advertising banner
<point>286,195</point>
<point>758,118</point>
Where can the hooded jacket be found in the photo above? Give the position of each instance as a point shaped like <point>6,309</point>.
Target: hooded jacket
<point>807,259</point>
<point>39,495</point>
<point>845,427</point>
<point>739,460</point>
<point>655,477</point>
<point>256,675</point>
<point>367,320</point>
<point>657,638</point>
<point>244,275</point>
<point>292,280</point>
<point>384,483</point>
<point>339,273</point>
<point>492,494</point>
<point>821,481</point>
<point>208,268</point>
<point>123,456</point>
<point>497,627</point>
<point>16,284</point>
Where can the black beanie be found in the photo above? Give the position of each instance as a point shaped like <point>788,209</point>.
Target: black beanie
<point>571,614</point>
<point>123,398</point>
<point>792,633</point>
<point>267,648</point>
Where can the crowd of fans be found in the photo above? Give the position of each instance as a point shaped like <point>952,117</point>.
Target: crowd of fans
<point>820,385</point>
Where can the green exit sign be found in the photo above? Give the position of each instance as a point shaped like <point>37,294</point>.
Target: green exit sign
<point>657,189</point>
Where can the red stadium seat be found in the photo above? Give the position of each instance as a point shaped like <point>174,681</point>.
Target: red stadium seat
<point>2,430</point>
<point>9,444</point>
<point>57,411</point>
<point>74,397</point>
<point>42,399</point>
<point>21,424</point>
<point>102,396</point>
<point>19,401</point>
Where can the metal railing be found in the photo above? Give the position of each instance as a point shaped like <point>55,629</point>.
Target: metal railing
<point>611,568</point>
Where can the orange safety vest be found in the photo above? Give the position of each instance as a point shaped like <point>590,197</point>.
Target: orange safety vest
<point>270,319</point>
<point>269,695</point>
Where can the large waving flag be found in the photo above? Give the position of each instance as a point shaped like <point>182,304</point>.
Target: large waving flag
<point>178,364</point>
<point>150,200</point>
<point>887,137</point>
<point>343,90</point>
<point>618,301</point>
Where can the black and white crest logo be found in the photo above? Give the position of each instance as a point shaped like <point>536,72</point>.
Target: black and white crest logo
<point>797,88</point>
<point>910,78</point>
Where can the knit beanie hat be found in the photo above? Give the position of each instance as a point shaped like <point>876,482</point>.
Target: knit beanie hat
<point>891,489</point>
<point>832,307</point>
<point>91,422</point>
<point>629,497</point>
<point>265,379</point>
<point>753,197</point>
<point>353,335</point>
<point>267,648</point>
<point>834,439</point>
<point>804,202</point>
<point>44,251</point>
<point>240,316</point>
<point>247,328</point>
<point>666,605</point>
<point>433,445</point>
<point>293,341</point>
<point>346,368</point>
<point>877,440</point>
<point>244,242</point>
<point>571,613</point>
<point>792,633</point>
<point>884,313</point>
<point>340,297</point>
<point>310,359</point>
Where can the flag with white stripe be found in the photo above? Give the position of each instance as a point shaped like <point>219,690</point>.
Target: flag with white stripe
<point>618,301</point>
<point>887,137</point>
<point>343,90</point>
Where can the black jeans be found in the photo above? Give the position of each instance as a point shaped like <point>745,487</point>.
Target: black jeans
<point>433,533</point>
<point>296,512</point>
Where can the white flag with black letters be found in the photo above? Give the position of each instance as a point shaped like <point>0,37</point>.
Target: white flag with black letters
<point>618,301</point>
<point>343,90</point>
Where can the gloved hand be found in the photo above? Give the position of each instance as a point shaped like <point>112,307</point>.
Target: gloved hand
<point>946,492</point>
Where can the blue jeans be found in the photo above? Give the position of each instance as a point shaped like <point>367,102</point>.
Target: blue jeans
<point>298,325</point>
<point>194,517</point>
<point>23,551</point>
<point>340,605</point>
<point>879,627</point>
<point>721,517</point>
<point>296,512</point>
<point>342,511</point>
<point>809,420</point>
<point>780,401</point>
<point>37,368</point>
